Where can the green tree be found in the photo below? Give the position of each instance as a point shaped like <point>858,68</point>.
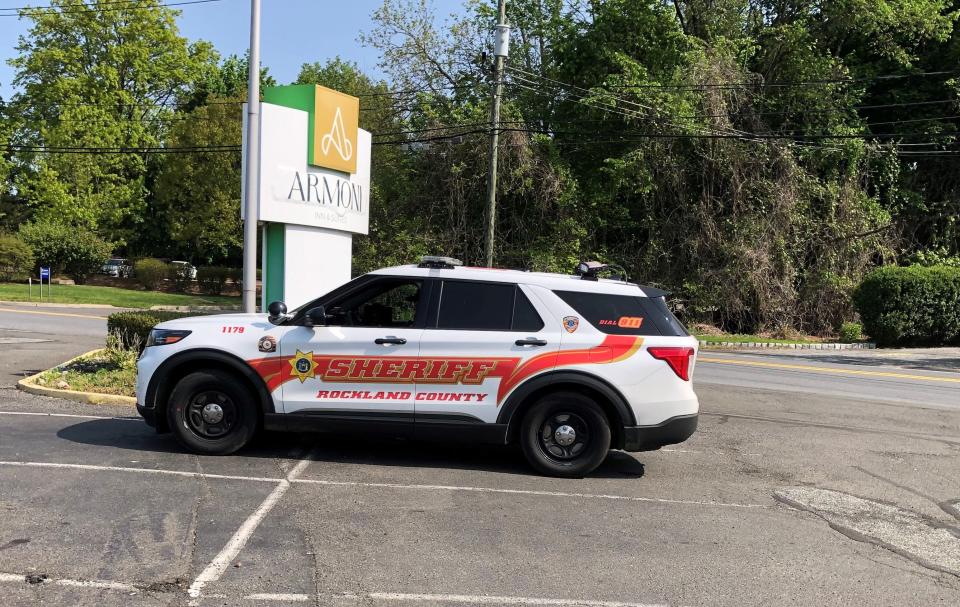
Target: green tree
<point>76,252</point>
<point>197,196</point>
<point>102,77</point>
<point>16,258</point>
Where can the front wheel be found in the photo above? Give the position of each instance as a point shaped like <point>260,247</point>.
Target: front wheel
<point>210,413</point>
<point>565,434</point>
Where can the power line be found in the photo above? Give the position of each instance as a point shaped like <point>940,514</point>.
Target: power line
<point>103,7</point>
<point>795,137</point>
<point>783,84</point>
<point>558,83</point>
<point>120,149</point>
<point>632,114</point>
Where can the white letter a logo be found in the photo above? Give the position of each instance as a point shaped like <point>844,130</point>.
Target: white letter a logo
<point>337,137</point>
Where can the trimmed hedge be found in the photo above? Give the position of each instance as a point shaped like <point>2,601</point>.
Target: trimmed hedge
<point>911,306</point>
<point>16,258</point>
<point>150,272</point>
<point>213,279</point>
<point>133,328</point>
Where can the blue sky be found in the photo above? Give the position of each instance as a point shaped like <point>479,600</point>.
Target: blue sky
<point>293,31</point>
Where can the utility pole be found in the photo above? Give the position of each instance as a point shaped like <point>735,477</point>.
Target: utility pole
<point>501,48</point>
<point>252,165</point>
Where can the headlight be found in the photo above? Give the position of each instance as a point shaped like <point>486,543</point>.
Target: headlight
<point>164,337</point>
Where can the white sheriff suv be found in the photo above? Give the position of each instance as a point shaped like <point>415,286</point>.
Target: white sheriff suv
<point>568,366</point>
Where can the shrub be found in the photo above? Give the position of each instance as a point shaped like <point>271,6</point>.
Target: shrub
<point>76,252</point>
<point>16,258</point>
<point>851,332</point>
<point>150,272</point>
<point>911,306</point>
<point>129,330</point>
<point>212,279</point>
<point>180,275</point>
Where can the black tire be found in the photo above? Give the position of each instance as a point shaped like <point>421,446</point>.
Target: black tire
<point>543,446</point>
<point>201,433</point>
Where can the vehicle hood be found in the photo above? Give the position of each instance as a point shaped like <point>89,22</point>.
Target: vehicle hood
<point>240,320</point>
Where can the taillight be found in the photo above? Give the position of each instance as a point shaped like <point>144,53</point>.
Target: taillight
<point>677,358</point>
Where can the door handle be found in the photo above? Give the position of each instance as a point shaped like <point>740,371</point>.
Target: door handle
<point>531,341</point>
<point>383,341</point>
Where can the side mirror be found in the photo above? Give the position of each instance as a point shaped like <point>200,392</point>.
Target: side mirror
<point>316,317</point>
<point>277,310</point>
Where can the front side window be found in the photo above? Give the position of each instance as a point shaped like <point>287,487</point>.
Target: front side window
<point>386,303</point>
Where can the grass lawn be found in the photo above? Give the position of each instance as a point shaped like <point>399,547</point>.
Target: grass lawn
<point>122,298</point>
<point>740,338</point>
<point>106,372</point>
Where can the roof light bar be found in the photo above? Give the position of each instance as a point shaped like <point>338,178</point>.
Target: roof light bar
<point>437,262</point>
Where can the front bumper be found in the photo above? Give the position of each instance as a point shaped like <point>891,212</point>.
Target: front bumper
<point>649,438</point>
<point>149,415</point>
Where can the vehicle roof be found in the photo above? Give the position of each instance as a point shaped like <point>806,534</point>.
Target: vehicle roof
<point>565,282</point>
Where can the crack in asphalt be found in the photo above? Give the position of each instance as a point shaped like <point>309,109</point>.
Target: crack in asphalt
<point>918,538</point>
<point>948,506</point>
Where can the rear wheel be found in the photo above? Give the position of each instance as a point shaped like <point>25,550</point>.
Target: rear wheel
<point>210,413</point>
<point>565,434</point>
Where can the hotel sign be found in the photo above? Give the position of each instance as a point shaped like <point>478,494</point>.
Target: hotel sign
<point>314,159</point>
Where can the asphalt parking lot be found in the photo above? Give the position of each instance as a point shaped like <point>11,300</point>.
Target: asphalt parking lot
<point>802,486</point>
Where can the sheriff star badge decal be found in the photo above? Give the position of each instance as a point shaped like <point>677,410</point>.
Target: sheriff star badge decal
<point>303,366</point>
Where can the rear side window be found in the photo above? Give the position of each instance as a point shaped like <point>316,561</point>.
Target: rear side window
<point>481,306</point>
<point>624,314</point>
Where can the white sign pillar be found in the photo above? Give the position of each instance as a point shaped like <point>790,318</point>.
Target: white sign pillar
<point>311,212</point>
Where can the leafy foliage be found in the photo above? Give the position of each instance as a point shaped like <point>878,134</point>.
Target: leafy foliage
<point>915,305</point>
<point>74,251</point>
<point>213,279</point>
<point>130,330</point>
<point>16,258</point>
<point>151,272</point>
<point>97,78</point>
<point>850,332</point>
<point>755,158</point>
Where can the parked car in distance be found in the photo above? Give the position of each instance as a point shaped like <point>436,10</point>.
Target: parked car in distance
<point>118,267</point>
<point>185,268</point>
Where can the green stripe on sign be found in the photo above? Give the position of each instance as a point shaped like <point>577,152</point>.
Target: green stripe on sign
<point>298,97</point>
<point>273,272</point>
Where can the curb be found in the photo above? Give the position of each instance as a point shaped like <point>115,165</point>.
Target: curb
<point>774,345</point>
<point>91,398</point>
<point>37,304</point>
<point>194,308</point>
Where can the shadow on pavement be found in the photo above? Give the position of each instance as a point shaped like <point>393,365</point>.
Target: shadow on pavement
<point>130,435</point>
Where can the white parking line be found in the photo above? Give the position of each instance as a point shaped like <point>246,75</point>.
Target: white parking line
<point>96,584</point>
<point>481,599</point>
<point>312,481</point>
<point>394,597</point>
<point>91,467</point>
<point>470,599</point>
<point>93,584</point>
<point>628,498</point>
<point>219,564</point>
<point>39,414</point>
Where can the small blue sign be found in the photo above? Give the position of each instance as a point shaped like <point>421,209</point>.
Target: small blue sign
<point>45,273</point>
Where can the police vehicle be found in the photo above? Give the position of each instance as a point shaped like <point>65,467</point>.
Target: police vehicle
<point>568,366</point>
